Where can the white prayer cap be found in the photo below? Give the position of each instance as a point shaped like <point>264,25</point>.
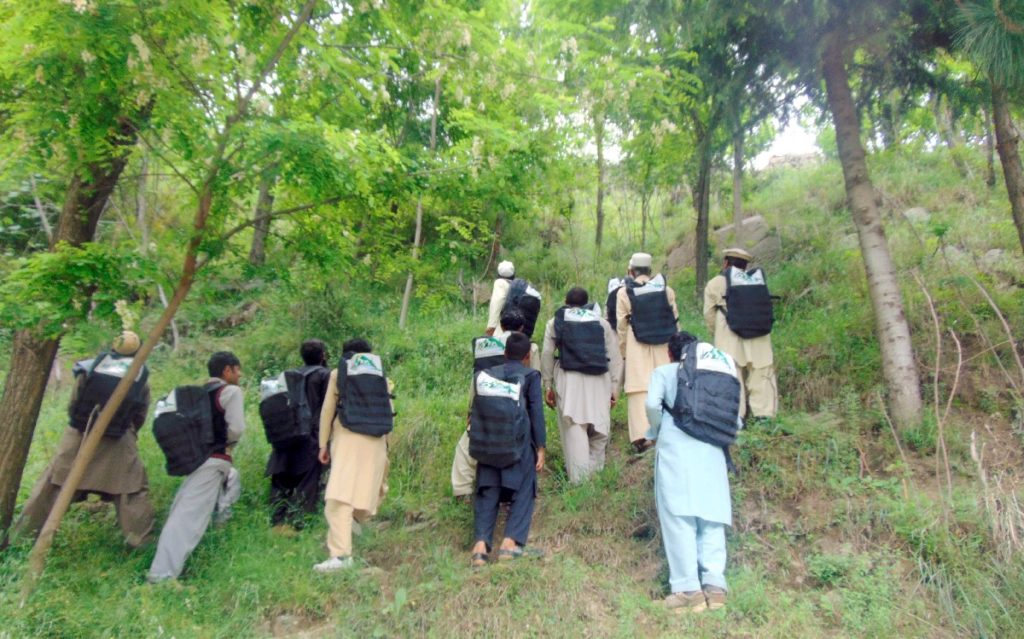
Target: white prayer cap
<point>126,343</point>
<point>640,260</point>
<point>506,269</point>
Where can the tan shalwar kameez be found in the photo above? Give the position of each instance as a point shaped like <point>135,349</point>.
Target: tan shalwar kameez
<point>640,359</point>
<point>753,356</point>
<point>499,292</point>
<point>355,485</point>
<point>584,404</point>
<point>115,473</point>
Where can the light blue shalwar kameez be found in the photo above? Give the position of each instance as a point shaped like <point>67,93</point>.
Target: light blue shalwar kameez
<point>691,488</point>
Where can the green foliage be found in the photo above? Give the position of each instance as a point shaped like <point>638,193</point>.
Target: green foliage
<point>45,292</point>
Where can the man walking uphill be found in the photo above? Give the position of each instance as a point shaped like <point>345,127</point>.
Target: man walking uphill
<point>738,312</point>
<point>646,318</point>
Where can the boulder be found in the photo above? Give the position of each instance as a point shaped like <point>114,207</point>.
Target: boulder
<point>480,292</point>
<point>768,250</point>
<point>680,256</point>
<point>917,215</point>
<point>753,229</point>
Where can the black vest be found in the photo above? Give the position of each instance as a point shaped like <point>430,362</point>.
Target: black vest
<point>707,395</point>
<point>219,422</point>
<point>488,351</point>
<point>614,284</point>
<point>579,337</point>
<point>748,305</point>
<point>499,423</point>
<point>651,317</point>
<point>526,299</point>
<point>102,375</point>
<point>364,403</point>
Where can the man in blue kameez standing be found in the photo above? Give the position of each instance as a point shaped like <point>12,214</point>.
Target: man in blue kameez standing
<point>691,477</point>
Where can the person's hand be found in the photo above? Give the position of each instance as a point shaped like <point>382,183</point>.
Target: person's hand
<point>614,399</point>
<point>540,459</point>
<point>549,398</point>
<point>490,332</point>
<point>324,456</point>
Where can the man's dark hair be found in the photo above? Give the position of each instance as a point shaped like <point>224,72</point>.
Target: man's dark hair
<point>517,346</point>
<point>512,320</point>
<point>678,343</point>
<point>642,270</point>
<point>357,345</point>
<point>314,352</point>
<point>738,262</point>
<point>576,296</point>
<point>219,361</point>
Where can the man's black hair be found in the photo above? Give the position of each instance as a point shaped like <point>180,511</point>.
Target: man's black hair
<point>576,296</point>
<point>517,346</point>
<point>219,361</point>
<point>678,343</point>
<point>512,320</point>
<point>357,345</point>
<point>738,262</point>
<point>642,270</point>
<point>314,352</point>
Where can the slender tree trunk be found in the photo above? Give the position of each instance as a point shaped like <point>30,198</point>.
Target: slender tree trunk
<point>32,355</point>
<point>990,150</point>
<point>142,223</point>
<point>701,203</point>
<point>645,199</point>
<point>898,365</point>
<point>41,211</point>
<point>599,209</point>
<point>944,122</point>
<point>260,230</point>
<point>737,186</point>
<point>1009,157</point>
<point>417,238</point>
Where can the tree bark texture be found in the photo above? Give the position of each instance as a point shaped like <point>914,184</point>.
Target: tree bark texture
<point>32,354</point>
<point>701,204</point>
<point>990,151</point>
<point>599,209</point>
<point>899,367</point>
<point>260,230</point>
<point>737,186</point>
<point>1009,157</point>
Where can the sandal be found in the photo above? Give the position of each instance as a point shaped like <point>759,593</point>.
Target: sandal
<point>478,560</point>
<point>520,552</point>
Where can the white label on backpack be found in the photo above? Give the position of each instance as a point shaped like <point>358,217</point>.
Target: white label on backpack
<point>168,404</point>
<point>710,358</point>
<point>487,386</point>
<point>365,364</point>
<point>614,284</point>
<point>273,386</point>
<point>742,278</point>
<point>488,347</point>
<point>532,292</point>
<point>115,367</point>
<point>656,285</point>
<point>581,315</point>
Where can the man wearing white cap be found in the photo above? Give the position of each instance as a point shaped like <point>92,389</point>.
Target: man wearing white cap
<point>511,292</point>
<point>646,317</point>
<point>738,312</point>
<point>116,473</point>
<point>499,292</point>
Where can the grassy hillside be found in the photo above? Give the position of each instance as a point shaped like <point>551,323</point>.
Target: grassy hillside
<point>843,527</point>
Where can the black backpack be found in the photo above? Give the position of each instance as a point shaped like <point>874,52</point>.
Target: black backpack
<point>499,423</point>
<point>364,402</point>
<point>183,427</point>
<point>488,351</point>
<point>102,375</point>
<point>748,310</point>
<point>526,299</point>
<point>579,337</point>
<point>614,284</point>
<point>707,396</point>
<point>285,408</point>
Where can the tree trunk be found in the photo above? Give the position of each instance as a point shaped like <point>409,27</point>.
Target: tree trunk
<point>701,204</point>
<point>1009,157</point>
<point>990,151</point>
<point>645,199</point>
<point>898,365</point>
<point>260,230</point>
<point>31,354</point>
<point>417,237</point>
<point>599,209</point>
<point>142,223</point>
<point>944,122</point>
<point>737,186</point>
